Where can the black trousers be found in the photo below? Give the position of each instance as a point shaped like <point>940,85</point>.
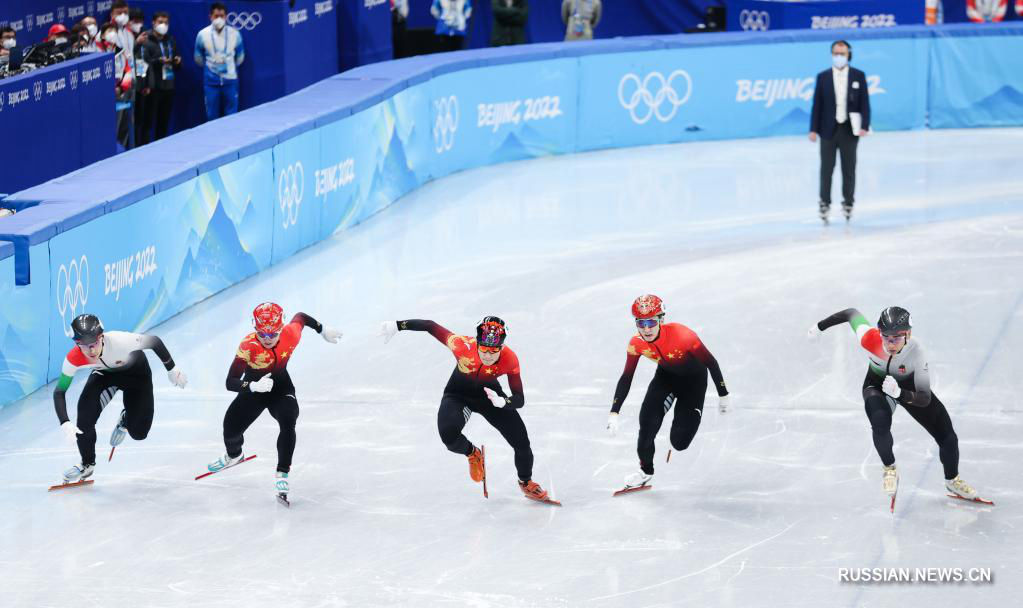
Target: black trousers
<point>687,394</point>
<point>454,413</point>
<point>244,410</point>
<point>135,381</point>
<point>142,131</point>
<point>843,142</point>
<point>450,43</point>
<point>158,113</point>
<point>934,418</point>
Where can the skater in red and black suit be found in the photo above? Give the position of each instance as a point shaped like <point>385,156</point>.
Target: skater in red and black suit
<point>681,380</point>
<point>260,376</point>
<point>473,387</point>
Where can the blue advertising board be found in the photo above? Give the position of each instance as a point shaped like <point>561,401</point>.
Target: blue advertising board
<point>976,81</point>
<point>769,15</point>
<point>24,347</point>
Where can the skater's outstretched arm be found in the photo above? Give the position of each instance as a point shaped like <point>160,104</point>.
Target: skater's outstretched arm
<point>306,321</point>
<point>869,336</point>
<point>704,356</point>
<point>625,382</point>
<point>155,344</point>
<point>437,331</point>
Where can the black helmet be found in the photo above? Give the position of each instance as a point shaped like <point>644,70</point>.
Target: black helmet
<point>491,332</point>
<point>894,320</point>
<point>86,328</point>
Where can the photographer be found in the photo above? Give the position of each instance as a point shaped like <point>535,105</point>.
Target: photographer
<point>160,50</point>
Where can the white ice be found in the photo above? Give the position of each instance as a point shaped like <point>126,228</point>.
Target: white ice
<point>764,508</point>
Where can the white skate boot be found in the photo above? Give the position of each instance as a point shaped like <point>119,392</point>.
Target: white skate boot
<point>282,488</point>
<point>223,462</point>
<point>890,480</point>
<point>79,472</point>
<point>637,479</point>
<point>120,431</point>
<point>960,488</point>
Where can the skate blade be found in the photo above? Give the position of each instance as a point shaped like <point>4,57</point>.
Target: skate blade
<point>892,508</point>
<point>631,490</point>
<point>546,501</point>
<point>67,485</point>
<point>208,473</point>
<point>111,457</point>
<point>283,499</point>
<point>977,500</point>
<point>483,457</point>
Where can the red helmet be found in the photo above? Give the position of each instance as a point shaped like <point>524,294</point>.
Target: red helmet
<point>647,307</point>
<point>268,318</point>
<point>56,28</point>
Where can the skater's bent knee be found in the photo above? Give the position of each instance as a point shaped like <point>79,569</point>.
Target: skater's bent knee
<point>138,435</point>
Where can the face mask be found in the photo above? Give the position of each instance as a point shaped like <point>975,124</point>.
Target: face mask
<point>121,19</point>
<point>839,61</point>
<point>10,43</point>
<point>161,28</point>
<point>219,23</point>
<point>136,27</point>
<point>111,38</point>
<point>93,29</point>
<point>60,41</point>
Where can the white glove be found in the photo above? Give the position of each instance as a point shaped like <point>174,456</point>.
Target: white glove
<point>71,431</point>
<point>814,332</point>
<point>263,385</point>
<point>330,334</point>
<point>177,377</point>
<point>387,330</point>
<point>496,399</point>
<point>612,424</point>
<point>723,404</point>
<point>891,387</point>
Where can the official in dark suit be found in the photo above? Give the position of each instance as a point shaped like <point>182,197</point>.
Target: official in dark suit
<point>841,92</point>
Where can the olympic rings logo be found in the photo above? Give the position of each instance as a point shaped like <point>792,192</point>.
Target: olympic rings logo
<point>290,190</point>
<point>663,103</point>
<point>445,123</point>
<point>245,20</point>
<point>72,293</point>
<point>754,20</point>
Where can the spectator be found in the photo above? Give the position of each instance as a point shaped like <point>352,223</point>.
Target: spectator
<point>125,39</point>
<point>124,79</point>
<point>580,18</point>
<point>160,51</point>
<point>219,49</point>
<point>399,18</point>
<point>92,30</point>
<point>840,116</point>
<point>136,21</point>
<point>10,54</point>
<point>509,22</point>
<point>452,19</point>
<point>143,87</point>
<point>58,34</point>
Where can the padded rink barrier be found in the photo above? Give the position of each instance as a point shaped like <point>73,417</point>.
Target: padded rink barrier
<point>140,237</point>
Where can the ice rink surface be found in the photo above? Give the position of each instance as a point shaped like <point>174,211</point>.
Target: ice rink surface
<point>769,502</point>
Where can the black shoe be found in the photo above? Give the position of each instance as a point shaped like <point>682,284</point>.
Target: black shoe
<point>847,211</point>
<point>825,208</point>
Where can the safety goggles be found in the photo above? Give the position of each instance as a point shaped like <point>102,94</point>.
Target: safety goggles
<point>493,350</point>
<point>268,335</point>
<point>647,323</point>
<point>895,336</point>
<point>87,344</point>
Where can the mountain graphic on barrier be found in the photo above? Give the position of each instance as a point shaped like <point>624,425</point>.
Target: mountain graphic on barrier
<point>1004,106</point>
<point>528,143</point>
<point>219,261</point>
<point>392,178</point>
<point>795,121</point>
<point>11,371</point>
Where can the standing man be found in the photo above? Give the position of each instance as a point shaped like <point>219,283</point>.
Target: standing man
<point>509,22</point>
<point>452,22</point>
<point>10,52</point>
<point>160,51</point>
<point>219,49</point>
<point>580,18</point>
<point>125,41</point>
<point>840,116</point>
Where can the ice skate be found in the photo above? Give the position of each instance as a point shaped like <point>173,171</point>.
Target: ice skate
<point>281,487</point>
<point>79,473</point>
<point>533,491</point>
<point>117,436</point>
<point>890,480</point>
<point>635,482</point>
<point>847,211</point>
<point>477,465</point>
<point>960,488</point>
<point>823,210</point>
<point>224,462</point>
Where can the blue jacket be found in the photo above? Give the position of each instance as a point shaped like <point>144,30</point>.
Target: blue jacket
<point>452,16</point>
<point>822,116</point>
<point>219,64</point>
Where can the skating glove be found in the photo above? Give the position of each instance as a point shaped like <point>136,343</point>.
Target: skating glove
<point>330,334</point>
<point>177,377</point>
<point>71,431</point>
<point>723,404</point>
<point>387,330</point>
<point>263,385</point>
<point>891,387</point>
<point>814,332</point>
<point>612,424</point>
<point>496,399</point>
